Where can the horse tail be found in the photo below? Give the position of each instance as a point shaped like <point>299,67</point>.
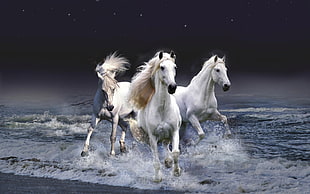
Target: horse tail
<point>137,132</point>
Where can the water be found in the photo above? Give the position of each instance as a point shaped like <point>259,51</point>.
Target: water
<point>268,153</point>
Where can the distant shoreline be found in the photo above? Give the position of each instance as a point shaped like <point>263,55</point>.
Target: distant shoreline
<point>10,183</point>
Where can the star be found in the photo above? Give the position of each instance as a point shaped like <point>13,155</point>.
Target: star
<point>185,25</point>
<point>140,14</point>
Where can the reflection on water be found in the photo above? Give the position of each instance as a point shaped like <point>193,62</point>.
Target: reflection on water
<point>269,152</point>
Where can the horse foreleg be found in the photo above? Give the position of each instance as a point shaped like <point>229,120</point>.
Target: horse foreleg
<point>124,126</point>
<point>156,162</point>
<point>89,133</point>
<point>195,123</point>
<point>113,134</point>
<point>219,117</point>
<point>227,128</point>
<point>176,153</point>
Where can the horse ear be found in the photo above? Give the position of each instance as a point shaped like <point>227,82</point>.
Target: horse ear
<point>99,75</point>
<point>97,68</point>
<point>224,58</point>
<point>215,58</point>
<point>172,55</point>
<point>161,55</point>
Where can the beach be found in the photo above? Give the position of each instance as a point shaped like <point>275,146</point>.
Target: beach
<point>10,183</point>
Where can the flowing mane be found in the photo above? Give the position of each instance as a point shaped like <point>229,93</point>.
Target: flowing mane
<point>142,86</point>
<point>109,68</point>
<point>116,63</point>
<point>209,63</point>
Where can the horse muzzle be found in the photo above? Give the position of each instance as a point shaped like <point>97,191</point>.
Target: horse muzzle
<point>226,87</point>
<point>110,107</point>
<point>172,88</point>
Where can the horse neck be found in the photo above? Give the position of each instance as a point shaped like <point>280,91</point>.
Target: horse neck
<point>100,85</point>
<point>161,95</point>
<point>203,85</point>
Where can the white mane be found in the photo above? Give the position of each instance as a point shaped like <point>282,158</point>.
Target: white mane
<point>113,62</point>
<point>112,65</point>
<point>208,64</point>
<point>142,87</point>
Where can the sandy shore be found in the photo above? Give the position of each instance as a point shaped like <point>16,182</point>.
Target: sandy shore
<point>10,183</point>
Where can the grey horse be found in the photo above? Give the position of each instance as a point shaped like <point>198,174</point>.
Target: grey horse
<point>110,101</point>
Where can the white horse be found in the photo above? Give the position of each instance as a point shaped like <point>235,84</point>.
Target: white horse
<point>110,101</point>
<point>158,118</point>
<point>197,102</point>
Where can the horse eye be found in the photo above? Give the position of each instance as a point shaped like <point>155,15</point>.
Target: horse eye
<point>217,70</point>
<point>162,68</point>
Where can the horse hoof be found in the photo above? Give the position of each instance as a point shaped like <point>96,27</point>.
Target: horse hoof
<point>83,154</point>
<point>123,148</point>
<point>168,162</point>
<point>177,172</point>
<point>189,142</point>
<point>201,136</point>
<point>157,180</point>
<point>228,134</point>
<point>112,153</point>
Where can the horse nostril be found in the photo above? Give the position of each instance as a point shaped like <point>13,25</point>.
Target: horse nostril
<point>110,107</point>
<point>172,88</point>
<point>226,87</point>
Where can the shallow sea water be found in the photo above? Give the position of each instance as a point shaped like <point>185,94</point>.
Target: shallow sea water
<point>269,151</point>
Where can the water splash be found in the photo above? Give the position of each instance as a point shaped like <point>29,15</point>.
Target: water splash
<point>269,152</point>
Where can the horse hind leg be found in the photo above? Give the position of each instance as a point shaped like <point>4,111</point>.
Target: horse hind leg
<point>177,169</point>
<point>168,160</point>
<point>124,126</point>
<point>90,130</point>
<point>123,148</point>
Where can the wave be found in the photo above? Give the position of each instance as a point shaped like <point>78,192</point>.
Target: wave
<point>269,151</point>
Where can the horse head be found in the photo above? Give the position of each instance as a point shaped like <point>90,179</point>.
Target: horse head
<point>167,70</point>
<point>106,82</point>
<point>219,73</point>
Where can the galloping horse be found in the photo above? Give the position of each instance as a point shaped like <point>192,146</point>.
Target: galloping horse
<point>197,102</point>
<point>158,115</point>
<point>110,101</point>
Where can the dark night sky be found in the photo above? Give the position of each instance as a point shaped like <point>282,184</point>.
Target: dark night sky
<point>44,41</point>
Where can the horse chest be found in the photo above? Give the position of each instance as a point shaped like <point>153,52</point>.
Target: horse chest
<point>160,123</point>
<point>158,118</point>
<point>162,130</point>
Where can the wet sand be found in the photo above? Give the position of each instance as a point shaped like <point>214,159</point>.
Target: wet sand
<point>10,183</point>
